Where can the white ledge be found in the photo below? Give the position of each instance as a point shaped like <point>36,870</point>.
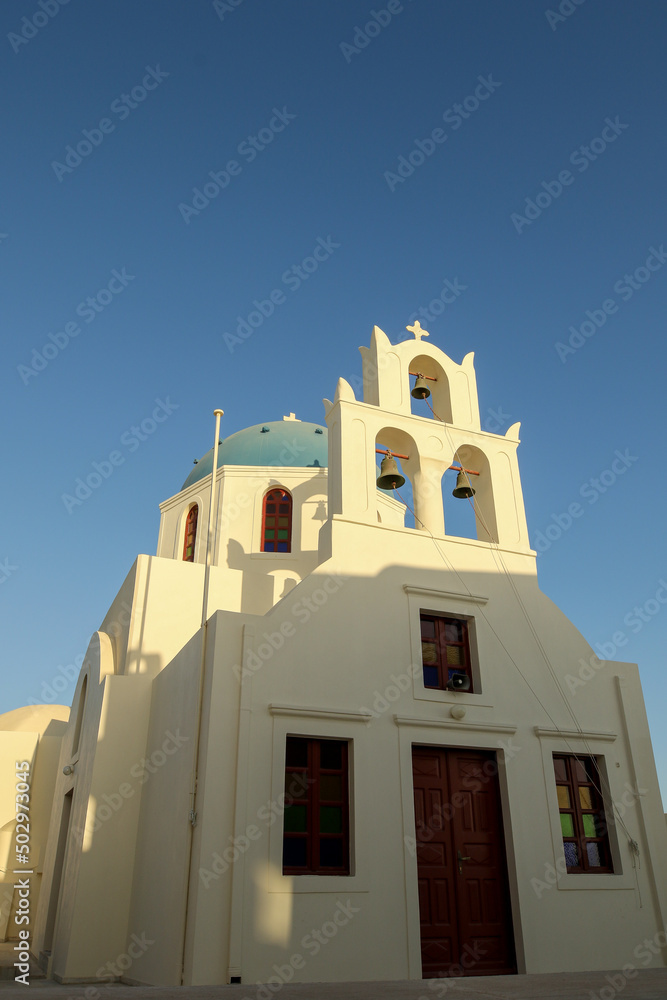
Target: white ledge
<point>446,594</point>
<point>476,727</point>
<point>574,734</point>
<point>305,711</point>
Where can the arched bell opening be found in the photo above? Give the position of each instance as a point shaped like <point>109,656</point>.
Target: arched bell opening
<point>430,394</point>
<point>397,457</point>
<point>460,519</point>
<point>467,493</point>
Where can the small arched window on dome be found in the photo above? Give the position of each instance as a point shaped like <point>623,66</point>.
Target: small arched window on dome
<point>277,521</point>
<point>190,534</point>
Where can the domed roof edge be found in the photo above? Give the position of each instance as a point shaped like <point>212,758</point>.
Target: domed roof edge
<point>280,443</point>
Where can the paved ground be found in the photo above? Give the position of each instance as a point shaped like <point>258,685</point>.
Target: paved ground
<point>649,984</point>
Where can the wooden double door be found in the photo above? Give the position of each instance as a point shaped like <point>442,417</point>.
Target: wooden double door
<point>464,905</point>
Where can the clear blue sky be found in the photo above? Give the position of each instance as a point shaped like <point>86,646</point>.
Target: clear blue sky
<point>315,116</point>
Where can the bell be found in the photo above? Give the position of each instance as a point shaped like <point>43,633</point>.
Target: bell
<point>389,478</point>
<point>421,390</point>
<point>463,490</point>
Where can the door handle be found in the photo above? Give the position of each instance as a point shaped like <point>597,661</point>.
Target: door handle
<point>461,859</point>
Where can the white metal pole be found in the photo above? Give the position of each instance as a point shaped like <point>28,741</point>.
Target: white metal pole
<point>200,697</point>
<point>211,516</point>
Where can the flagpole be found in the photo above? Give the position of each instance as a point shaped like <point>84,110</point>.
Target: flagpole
<point>200,698</point>
<point>211,516</point>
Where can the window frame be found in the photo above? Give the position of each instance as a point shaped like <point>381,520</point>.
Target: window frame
<point>573,784</point>
<point>263,541</point>
<point>313,835</point>
<point>442,644</point>
<point>188,519</point>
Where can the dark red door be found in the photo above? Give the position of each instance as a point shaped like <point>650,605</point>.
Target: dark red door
<point>464,907</point>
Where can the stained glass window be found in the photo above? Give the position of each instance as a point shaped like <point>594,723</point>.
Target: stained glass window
<point>190,534</point>
<point>316,822</point>
<point>277,521</point>
<point>593,852</point>
<point>567,825</point>
<point>585,798</point>
<point>445,650</point>
<point>563,796</point>
<point>582,817</point>
<point>571,854</point>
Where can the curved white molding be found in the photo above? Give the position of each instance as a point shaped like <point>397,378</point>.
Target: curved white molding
<point>445,595</point>
<point>471,727</point>
<point>574,734</point>
<point>304,711</point>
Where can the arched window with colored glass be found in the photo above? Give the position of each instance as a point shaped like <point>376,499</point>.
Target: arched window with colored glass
<point>277,522</point>
<point>190,534</point>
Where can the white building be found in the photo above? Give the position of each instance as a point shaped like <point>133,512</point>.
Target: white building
<point>400,758</point>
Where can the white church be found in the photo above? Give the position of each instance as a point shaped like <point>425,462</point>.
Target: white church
<point>383,756</point>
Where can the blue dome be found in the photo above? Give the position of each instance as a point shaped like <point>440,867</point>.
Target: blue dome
<point>283,443</point>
